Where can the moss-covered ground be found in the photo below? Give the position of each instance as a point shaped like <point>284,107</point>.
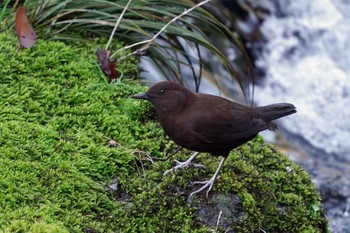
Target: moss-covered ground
<point>75,156</point>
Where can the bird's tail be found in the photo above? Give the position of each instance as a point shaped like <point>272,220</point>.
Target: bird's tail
<point>275,111</point>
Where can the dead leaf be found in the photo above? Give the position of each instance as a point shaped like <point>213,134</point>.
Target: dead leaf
<point>108,67</point>
<point>25,32</point>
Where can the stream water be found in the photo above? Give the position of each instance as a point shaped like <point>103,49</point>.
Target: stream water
<point>305,58</point>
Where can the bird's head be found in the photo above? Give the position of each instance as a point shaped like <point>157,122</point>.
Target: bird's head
<point>166,96</point>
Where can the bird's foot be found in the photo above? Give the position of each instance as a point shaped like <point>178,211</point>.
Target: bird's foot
<point>187,163</point>
<point>207,184</point>
<point>183,165</point>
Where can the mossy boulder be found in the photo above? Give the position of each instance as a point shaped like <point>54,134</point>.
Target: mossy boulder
<point>76,156</point>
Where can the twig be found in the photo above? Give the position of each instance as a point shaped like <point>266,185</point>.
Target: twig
<point>150,41</point>
<point>218,222</point>
<point>169,156</point>
<point>117,24</point>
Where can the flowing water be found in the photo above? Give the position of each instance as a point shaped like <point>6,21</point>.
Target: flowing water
<point>306,61</point>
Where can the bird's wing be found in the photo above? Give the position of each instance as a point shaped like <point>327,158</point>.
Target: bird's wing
<point>214,127</point>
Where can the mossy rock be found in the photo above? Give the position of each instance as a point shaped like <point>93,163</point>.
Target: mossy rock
<point>76,156</point>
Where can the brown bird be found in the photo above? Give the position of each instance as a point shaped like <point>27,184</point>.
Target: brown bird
<point>208,123</point>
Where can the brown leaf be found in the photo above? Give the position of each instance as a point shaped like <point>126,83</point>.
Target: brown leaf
<point>25,32</point>
<point>108,67</point>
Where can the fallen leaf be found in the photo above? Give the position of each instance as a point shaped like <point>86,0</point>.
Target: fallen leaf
<point>108,67</point>
<point>25,32</point>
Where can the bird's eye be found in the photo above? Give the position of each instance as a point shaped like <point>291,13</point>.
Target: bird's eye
<point>162,91</point>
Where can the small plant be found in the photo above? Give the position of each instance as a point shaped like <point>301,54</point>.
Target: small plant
<point>173,35</point>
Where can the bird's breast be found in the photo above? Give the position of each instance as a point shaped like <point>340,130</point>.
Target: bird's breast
<point>173,126</point>
<point>177,127</point>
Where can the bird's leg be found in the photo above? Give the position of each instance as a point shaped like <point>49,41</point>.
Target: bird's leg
<point>209,183</point>
<point>184,164</point>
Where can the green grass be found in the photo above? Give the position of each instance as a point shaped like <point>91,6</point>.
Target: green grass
<point>57,115</point>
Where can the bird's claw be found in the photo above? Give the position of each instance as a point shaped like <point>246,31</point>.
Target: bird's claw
<point>197,165</point>
<point>200,182</point>
<point>207,184</point>
<point>181,165</point>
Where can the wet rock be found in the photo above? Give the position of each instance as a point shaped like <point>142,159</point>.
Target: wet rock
<point>222,210</point>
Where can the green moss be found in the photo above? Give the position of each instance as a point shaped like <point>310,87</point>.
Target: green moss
<point>58,116</point>
<point>277,194</point>
<point>37,227</point>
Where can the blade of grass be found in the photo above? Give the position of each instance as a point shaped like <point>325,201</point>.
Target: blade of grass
<point>150,41</point>
<point>4,7</point>
<point>116,25</point>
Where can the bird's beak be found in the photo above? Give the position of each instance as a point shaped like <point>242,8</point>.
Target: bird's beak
<point>140,96</point>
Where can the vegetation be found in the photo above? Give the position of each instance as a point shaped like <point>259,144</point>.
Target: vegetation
<point>76,152</point>
<point>178,52</point>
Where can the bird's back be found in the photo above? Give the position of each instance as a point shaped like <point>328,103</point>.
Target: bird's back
<point>213,124</point>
